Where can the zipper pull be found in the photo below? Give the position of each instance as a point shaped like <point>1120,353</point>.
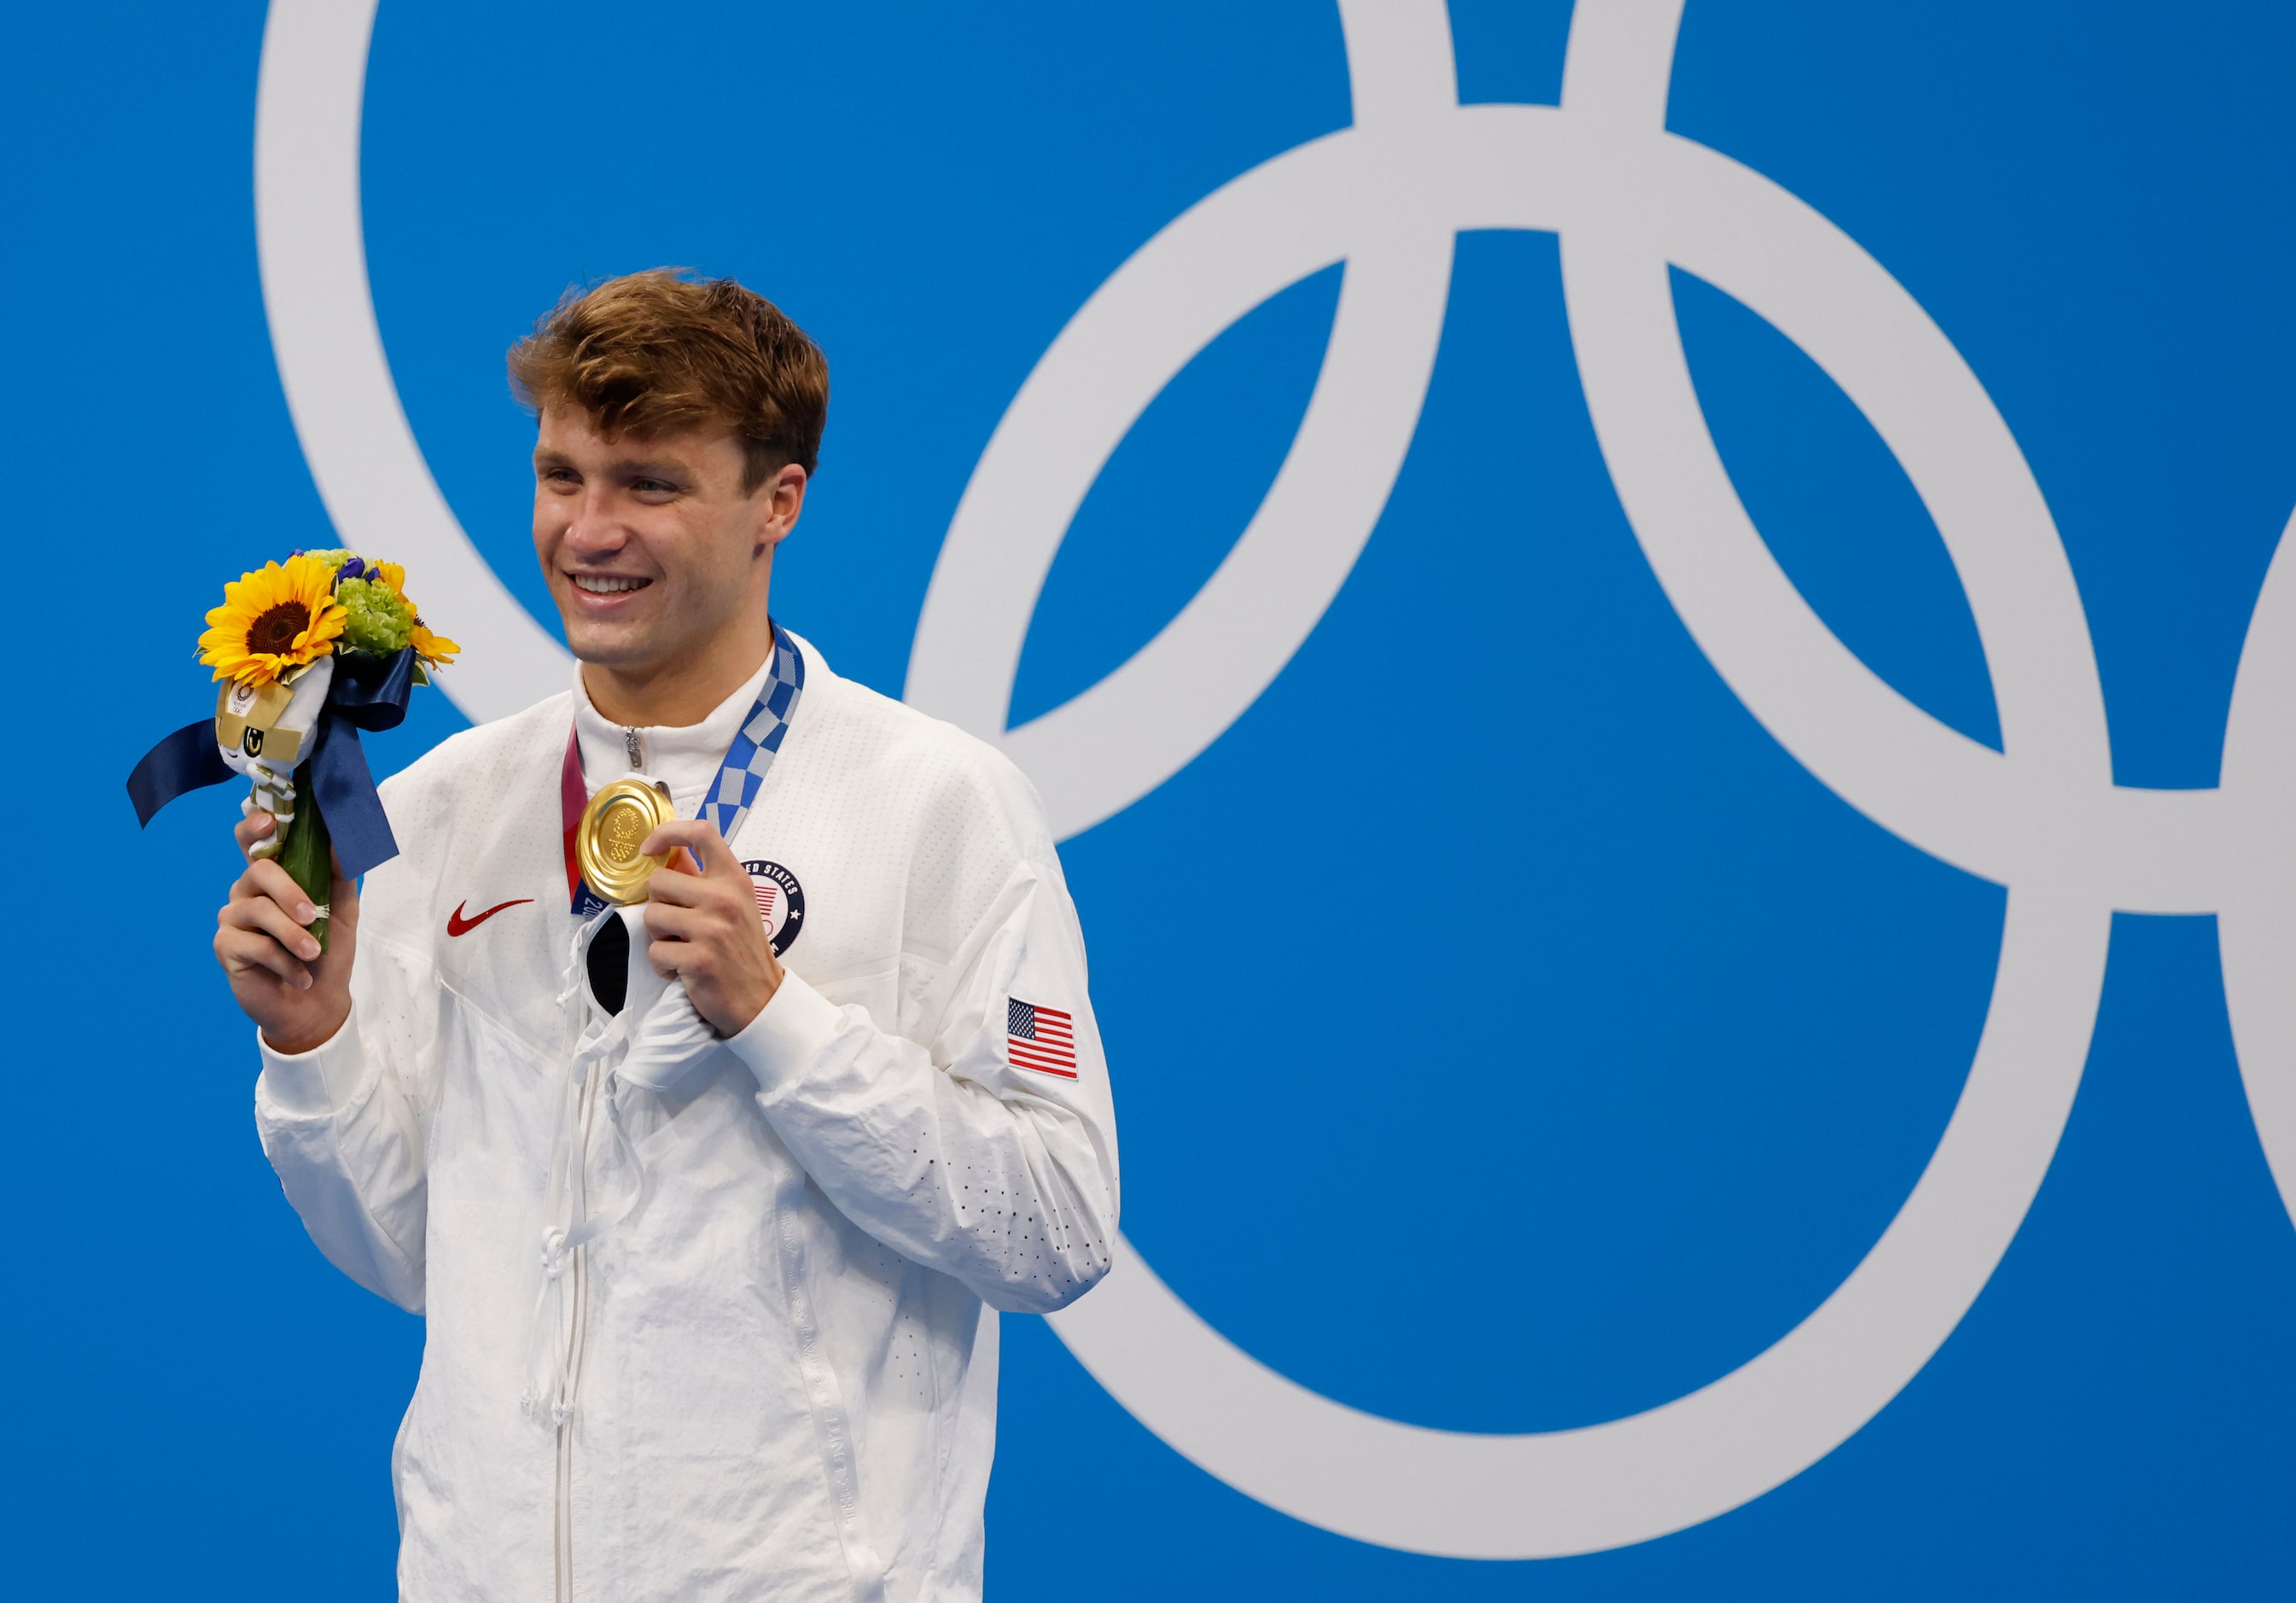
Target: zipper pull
<point>634,744</point>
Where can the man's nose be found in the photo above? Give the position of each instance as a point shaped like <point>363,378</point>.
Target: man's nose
<point>594,529</point>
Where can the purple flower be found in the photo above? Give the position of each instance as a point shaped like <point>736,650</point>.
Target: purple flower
<point>353,568</point>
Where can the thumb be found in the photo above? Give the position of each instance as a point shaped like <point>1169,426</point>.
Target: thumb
<point>715,859</point>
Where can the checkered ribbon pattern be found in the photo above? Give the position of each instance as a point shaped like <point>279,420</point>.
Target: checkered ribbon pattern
<point>747,760</point>
<point>757,741</point>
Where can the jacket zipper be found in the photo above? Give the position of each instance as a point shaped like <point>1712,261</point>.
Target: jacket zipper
<point>562,1503</point>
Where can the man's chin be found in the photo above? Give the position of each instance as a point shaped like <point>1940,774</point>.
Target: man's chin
<point>609,647</point>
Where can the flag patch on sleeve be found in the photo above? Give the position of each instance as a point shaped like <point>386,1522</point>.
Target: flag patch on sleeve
<point>1043,1039</point>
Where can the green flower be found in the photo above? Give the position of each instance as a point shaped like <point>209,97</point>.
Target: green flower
<point>378,623</point>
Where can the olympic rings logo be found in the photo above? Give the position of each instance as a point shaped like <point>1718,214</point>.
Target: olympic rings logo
<point>1386,196</point>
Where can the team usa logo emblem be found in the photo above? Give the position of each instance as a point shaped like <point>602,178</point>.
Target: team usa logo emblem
<point>781,902</point>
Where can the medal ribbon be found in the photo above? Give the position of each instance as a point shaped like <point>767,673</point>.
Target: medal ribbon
<point>728,801</point>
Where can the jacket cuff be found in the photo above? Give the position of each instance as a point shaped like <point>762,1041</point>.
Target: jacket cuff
<point>790,1031</point>
<point>317,1083</point>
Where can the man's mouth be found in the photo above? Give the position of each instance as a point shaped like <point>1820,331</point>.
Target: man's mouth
<point>608,584</point>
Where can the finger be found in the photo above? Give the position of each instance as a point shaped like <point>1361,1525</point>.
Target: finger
<point>253,828</point>
<point>680,863</point>
<point>674,960</point>
<point>678,832</point>
<point>684,888</point>
<point>668,921</point>
<point>266,878</point>
<point>680,888</point>
<point>243,952</point>
<point>716,858</point>
<point>262,915</point>
<point>703,845</point>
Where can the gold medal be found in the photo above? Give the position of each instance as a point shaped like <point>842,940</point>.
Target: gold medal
<point>614,826</point>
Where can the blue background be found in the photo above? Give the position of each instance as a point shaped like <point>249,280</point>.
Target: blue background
<point>1538,1060</point>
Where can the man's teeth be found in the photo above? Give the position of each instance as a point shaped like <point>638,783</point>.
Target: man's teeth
<point>608,584</point>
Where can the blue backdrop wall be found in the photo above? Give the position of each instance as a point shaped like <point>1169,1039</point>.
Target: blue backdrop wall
<point>1510,1033</point>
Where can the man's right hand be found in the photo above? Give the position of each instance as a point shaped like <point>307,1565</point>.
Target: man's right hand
<point>296,996</point>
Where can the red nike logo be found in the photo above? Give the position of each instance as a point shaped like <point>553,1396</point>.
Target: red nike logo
<point>456,924</point>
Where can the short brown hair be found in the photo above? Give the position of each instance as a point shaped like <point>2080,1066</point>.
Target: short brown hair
<point>661,351</point>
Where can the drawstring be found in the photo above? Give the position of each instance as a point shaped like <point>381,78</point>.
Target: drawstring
<point>568,1225</point>
<point>557,1258</point>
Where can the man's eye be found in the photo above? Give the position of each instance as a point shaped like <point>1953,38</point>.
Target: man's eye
<point>558,475</point>
<point>652,487</point>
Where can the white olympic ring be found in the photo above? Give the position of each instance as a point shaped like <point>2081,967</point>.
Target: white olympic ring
<point>1386,196</point>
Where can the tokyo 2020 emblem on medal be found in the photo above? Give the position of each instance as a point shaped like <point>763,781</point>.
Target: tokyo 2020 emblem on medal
<point>614,826</point>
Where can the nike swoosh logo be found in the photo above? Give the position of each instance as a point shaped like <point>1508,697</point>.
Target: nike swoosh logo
<point>456,924</point>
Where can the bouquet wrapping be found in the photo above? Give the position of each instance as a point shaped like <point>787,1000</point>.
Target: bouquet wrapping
<point>309,651</point>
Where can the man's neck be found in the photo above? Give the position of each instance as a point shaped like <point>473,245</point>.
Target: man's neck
<point>676,694</point>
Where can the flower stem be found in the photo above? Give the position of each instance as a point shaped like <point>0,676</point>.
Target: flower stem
<point>307,853</point>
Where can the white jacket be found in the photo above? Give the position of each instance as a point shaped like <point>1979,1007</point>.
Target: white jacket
<point>784,1377</point>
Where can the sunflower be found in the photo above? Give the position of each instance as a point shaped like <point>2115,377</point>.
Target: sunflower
<point>433,649</point>
<point>274,619</point>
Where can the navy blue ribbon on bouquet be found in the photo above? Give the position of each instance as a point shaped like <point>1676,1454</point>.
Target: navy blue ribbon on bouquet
<point>367,693</point>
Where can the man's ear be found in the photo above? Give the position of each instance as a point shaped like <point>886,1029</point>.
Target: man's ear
<point>780,499</point>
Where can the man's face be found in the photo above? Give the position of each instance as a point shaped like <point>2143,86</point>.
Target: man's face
<point>652,548</point>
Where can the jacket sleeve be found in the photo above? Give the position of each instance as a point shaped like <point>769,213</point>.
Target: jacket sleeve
<point>343,1134</point>
<point>975,1152</point>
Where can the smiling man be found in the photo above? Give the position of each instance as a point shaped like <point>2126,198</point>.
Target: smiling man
<point>715,1331</point>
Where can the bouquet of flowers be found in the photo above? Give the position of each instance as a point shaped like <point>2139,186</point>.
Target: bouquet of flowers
<point>309,652</point>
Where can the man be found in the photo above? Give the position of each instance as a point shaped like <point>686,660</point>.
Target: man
<point>724,1338</point>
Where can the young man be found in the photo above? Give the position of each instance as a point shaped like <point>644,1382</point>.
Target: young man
<point>717,1333</point>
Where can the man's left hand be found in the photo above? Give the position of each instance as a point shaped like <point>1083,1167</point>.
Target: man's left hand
<point>702,916</point>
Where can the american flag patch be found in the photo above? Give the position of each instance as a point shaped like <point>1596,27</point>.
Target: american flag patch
<point>1043,1039</point>
<point>767,892</point>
